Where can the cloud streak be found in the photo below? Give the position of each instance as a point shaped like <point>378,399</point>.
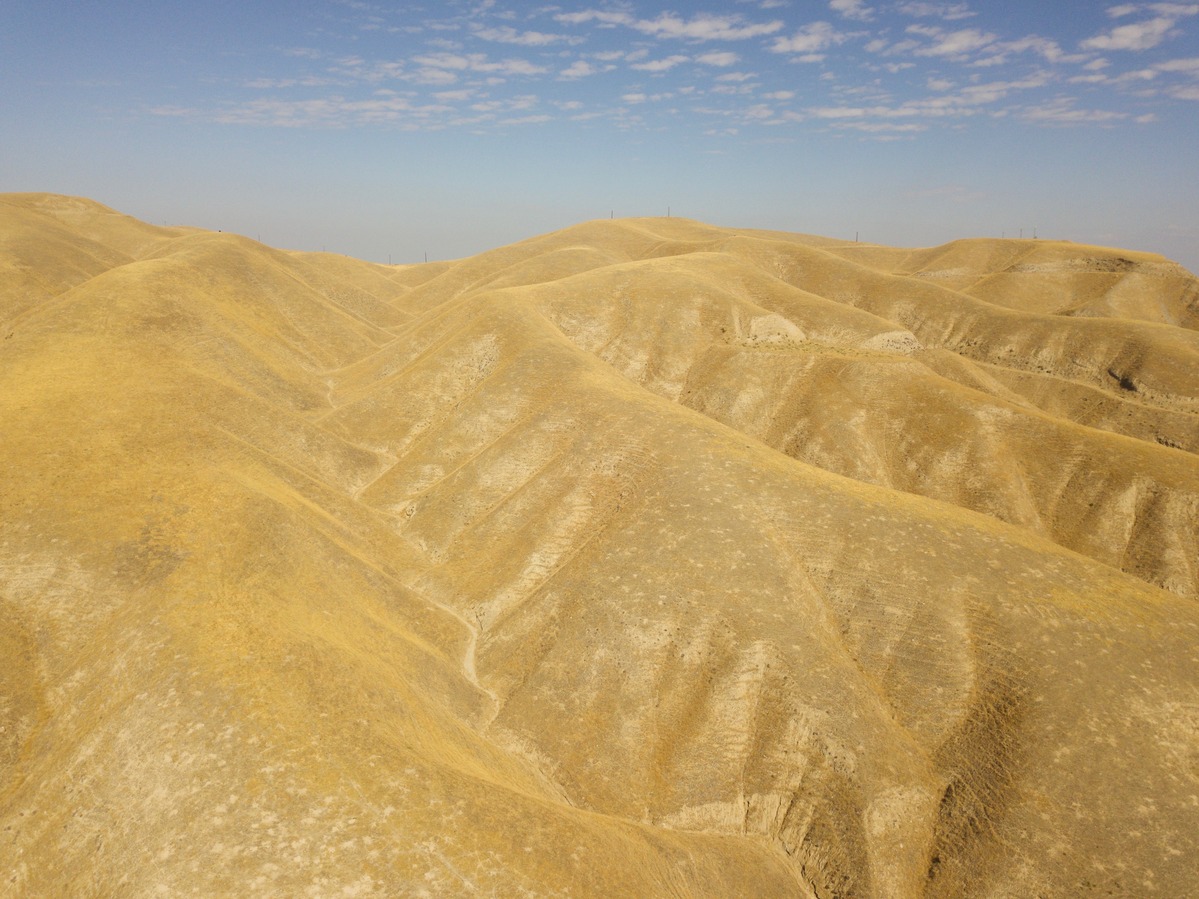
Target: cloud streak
<point>1136,36</point>
<point>505,34</point>
<point>852,9</point>
<point>811,38</point>
<point>701,27</point>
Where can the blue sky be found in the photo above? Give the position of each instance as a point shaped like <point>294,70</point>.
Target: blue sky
<point>391,130</point>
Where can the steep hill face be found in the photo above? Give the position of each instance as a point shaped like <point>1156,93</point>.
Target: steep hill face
<point>644,558</point>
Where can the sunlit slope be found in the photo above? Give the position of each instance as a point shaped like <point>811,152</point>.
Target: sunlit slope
<point>888,379</point>
<point>51,243</point>
<point>632,560</point>
<point>1064,279</point>
<point>222,680</point>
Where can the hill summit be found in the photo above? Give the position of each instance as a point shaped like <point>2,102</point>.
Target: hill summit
<point>643,558</point>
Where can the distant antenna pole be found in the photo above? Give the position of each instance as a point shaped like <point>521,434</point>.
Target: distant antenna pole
<point>855,237</point>
<point>1034,233</point>
<point>612,214</point>
<point>389,259</point>
<point>668,212</point>
<point>426,255</point>
<point>1022,234</point>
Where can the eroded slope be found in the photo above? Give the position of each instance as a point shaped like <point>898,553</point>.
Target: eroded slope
<point>643,558</point>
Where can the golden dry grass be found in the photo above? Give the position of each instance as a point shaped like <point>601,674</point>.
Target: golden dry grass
<point>644,558</point>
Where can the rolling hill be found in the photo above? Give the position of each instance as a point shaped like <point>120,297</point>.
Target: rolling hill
<point>643,558</point>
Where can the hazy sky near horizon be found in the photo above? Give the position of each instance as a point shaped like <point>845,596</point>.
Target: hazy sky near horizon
<point>390,130</point>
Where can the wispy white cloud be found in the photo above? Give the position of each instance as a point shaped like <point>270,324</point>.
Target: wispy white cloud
<point>358,69</point>
<point>385,108</point>
<point>1062,111</point>
<point>279,83</point>
<point>660,65</point>
<point>580,68</point>
<point>1164,71</point>
<point>640,97</point>
<point>1135,75</point>
<point>852,112</point>
<point>759,111</point>
<point>526,120</point>
<point>1187,66</point>
<point>701,27</point>
<point>898,48</point>
<point>720,59</point>
<point>1178,10</point>
<point>1134,36</point>
<point>520,103</point>
<point>431,76</point>
<point>951,44</point>
<point>890,129</point>
<point>478,62</point>
<point>595,15</point>
<point>1051,51</point>
<point>705,27</point>
<point>852,9</point>
<point>506,34</point>
<point>950,12</point>
<point>966,101</point>
<point>732,89</point>
<point>810,39</point>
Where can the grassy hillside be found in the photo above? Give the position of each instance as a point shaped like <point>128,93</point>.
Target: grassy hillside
<point>645,558</point>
